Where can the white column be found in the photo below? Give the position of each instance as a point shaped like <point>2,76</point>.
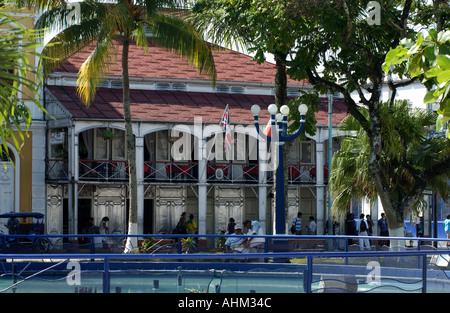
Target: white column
<point>202,192</point>
<point>72,184</point>
<point>140,183</point>
<point>320,189</point>
<point>75,167</point>
<point>201,155</point>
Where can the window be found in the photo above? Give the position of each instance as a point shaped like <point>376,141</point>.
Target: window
<point>119,145</point>
<point>306,151</point>
<point>162,146</point>
<point>302,152</point>
<point>4,156</point>
<point>106,148</point>
<point>101,146</point>
<point>58,143</point>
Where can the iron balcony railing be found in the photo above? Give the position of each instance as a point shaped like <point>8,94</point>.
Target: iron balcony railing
<point>177,171</point>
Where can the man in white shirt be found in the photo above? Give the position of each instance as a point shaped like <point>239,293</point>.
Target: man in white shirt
<point>254,228</point>
<point>362,228</point>
<point>312,226</point>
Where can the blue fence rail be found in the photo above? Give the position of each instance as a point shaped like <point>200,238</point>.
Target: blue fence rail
<point>276,252</point>
<point>308,269</point>
<point>115,243</point>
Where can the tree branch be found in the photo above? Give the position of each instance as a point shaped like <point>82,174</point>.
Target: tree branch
<point>352,107</point>
<point>402,31</point>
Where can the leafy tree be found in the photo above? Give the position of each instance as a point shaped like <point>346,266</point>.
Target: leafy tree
<point>343,52</point>
<point>19,78</point>
<point>338,46</point>
<point>104,24</point>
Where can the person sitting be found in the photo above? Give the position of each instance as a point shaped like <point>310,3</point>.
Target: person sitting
<point>236,241</point>
<point>13,225</point>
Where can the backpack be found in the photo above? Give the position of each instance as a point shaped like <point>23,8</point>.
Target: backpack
<point>362,226</point>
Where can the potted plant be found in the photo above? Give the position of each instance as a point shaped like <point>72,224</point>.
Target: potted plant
<point>108,134</point>
<point>188,245</point>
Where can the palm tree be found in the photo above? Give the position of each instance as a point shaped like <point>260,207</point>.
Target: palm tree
<point>92,22</point>
<point>409,152</point>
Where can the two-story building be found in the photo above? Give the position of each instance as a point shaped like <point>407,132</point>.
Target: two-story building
<point>182,165</point>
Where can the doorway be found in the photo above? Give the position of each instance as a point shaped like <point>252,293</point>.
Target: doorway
<point>84,213</point>
<point>148,216</point>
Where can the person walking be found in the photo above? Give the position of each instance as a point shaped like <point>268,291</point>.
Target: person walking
<point>297,223</point>
<point>447,229</point>
<point>384,231</point>
<point>350,228</point>
<point>191,225</point>
<point>362,228</point>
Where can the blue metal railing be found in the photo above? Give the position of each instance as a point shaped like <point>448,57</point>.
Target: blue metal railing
<point>307,274</point>
<point>93,242</point>
<point>278,248</point>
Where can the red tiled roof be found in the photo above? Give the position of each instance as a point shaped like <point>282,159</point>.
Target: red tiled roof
<point>231,66</point>
<point>179,106</point>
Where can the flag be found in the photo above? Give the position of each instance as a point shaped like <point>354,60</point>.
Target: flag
<point>225,122</point>
<point>268,130</point>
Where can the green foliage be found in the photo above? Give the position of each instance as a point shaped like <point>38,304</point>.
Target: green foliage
<point>261,26</point>
<point>108,134</point>
<point>311,99</point>
<point>188,245</point>
<point>221,240</point>
<point>146,246</point>
<point>20,80</point>
<point>429,59</point>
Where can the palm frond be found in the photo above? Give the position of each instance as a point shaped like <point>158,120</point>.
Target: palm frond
<point>154,6</point>
<point>58,18</point>
<point>68,42</point>
<point>92,71</point>
<point>40,4</point>
<point>223,33</point>
<point>140,37</point>
<point>19,78</point>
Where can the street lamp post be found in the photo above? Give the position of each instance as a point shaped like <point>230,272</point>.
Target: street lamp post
<point>279,135</point>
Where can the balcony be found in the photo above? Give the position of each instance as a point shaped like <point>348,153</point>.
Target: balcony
<point>232,172</point>
<point>176,172</point>
<point>165,171</point>
<point>57,169</point>
<point>304,174</point>
<point>100,170</point>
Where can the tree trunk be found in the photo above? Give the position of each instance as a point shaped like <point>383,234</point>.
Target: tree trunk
<point>132,222</point>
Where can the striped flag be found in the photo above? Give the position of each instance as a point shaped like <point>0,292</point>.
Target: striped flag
<point>268,130</point>
<point>225,122</point>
